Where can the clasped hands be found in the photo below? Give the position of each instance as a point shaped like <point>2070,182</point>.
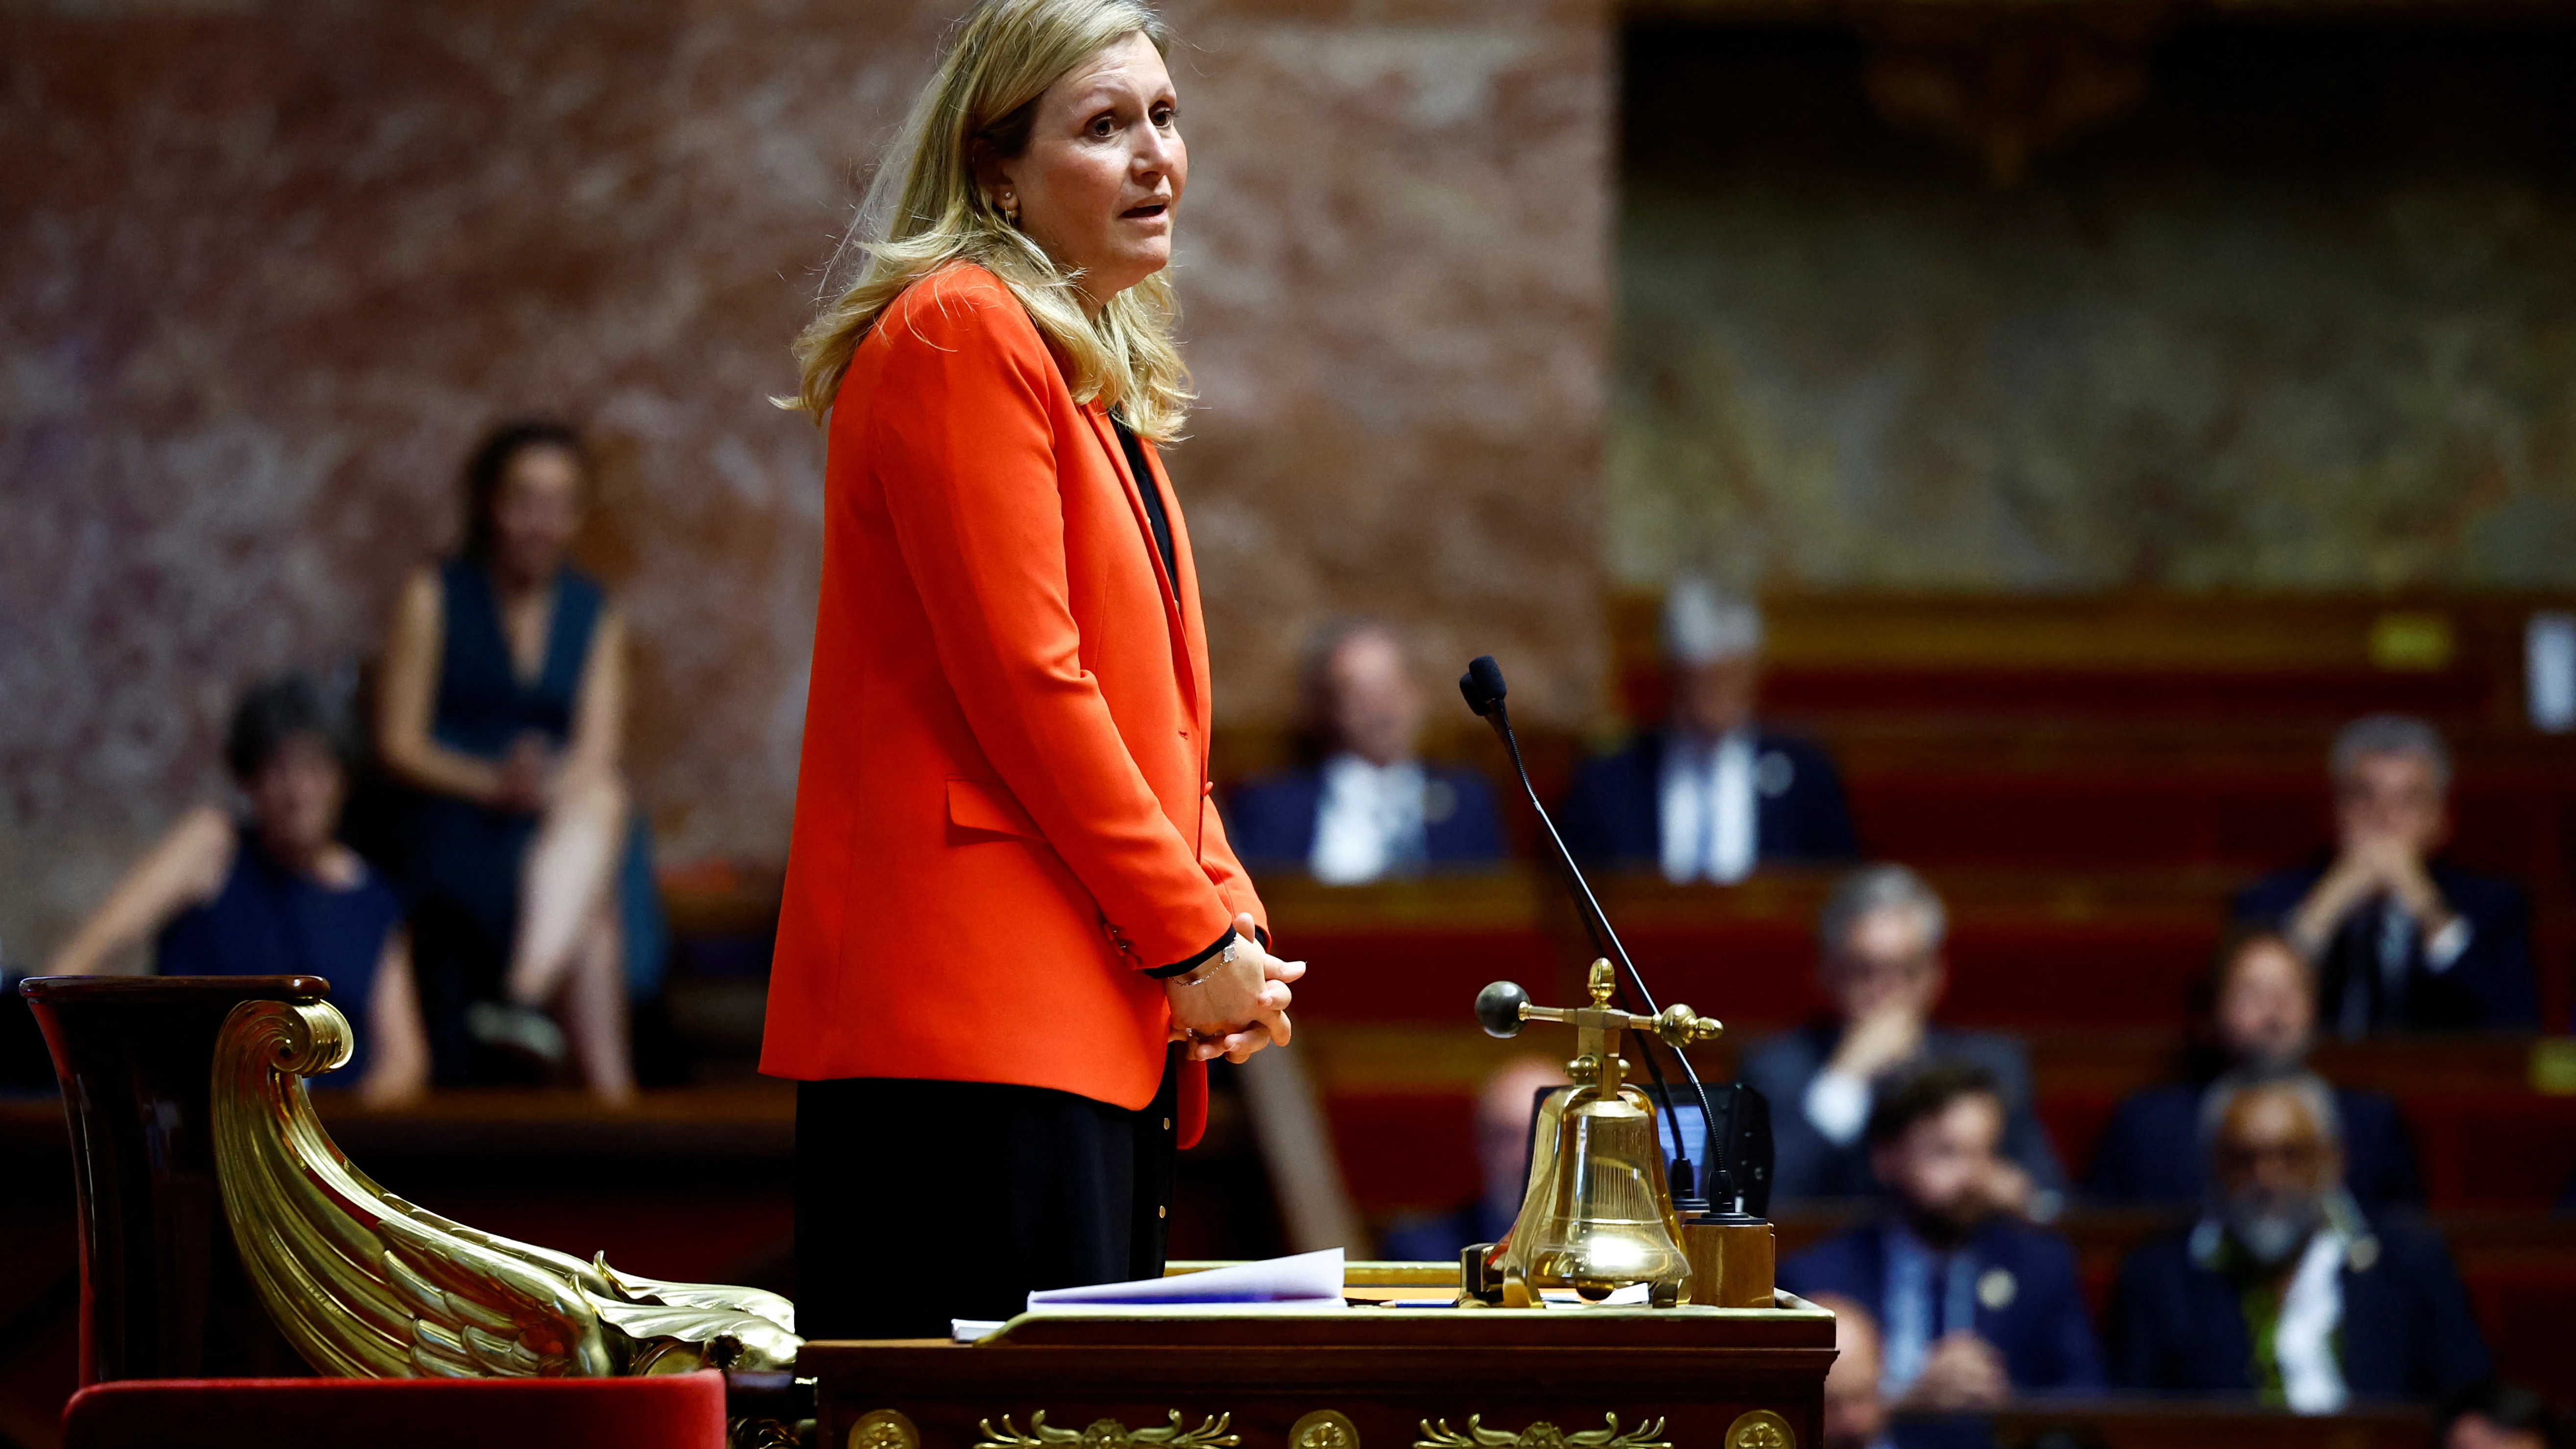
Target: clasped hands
<point>525,776</point>
<point>1240,1007</point>
<point>1962,1372</point>
<point>2369,865</point>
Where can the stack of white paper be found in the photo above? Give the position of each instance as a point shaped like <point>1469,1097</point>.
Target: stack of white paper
<point>1306,1280</point>
<point>1301,1277</point>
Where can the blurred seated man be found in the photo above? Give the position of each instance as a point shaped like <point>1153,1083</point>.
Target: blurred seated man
<point>2285,1289</point>
<point>1371,809</point>
<point>2491,1415</point>
<point>276,893</point>
<point>2258,1011</point>
<point>1712,794</point>
<point>1855,1412</point>
<point>1973,1304</point>
<point>1881,935</point>
<point>1503,1113</point>
<point>2401,938</point>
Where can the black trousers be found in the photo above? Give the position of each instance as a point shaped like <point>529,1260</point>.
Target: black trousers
<point>922,1201</point>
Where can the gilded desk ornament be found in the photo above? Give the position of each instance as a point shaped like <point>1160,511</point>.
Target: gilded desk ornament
<point>763,1433</point>
<point>365,1285</point>
<point>1760,1429</point>
<point>1110,1434</point>
<point>1542,1435</point>
<point>884,1429</point>
<point>1324,1429</point>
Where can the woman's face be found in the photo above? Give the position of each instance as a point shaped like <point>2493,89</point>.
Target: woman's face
<point>2264,1008</point>
<point>1102,175</point>
<point>537,512</point>
<point>295,797</point>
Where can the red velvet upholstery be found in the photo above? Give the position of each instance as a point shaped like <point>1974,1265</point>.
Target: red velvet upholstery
<point>676,1411</point>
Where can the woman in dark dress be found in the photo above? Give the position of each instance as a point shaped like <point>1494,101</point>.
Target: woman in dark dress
<point>503,704</point>
<point>276,894</point>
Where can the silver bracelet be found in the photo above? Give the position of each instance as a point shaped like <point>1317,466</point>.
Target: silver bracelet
<point>1209,967</point>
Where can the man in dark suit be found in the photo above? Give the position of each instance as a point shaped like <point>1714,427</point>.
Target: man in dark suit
<point>1712,794</point>
<point>2402,939</point>
<point>2285,1289</point>
<point>2257,1010</point>
<point>1880,938</point>
<point>1371,809</point>
<point>1973,1304</point>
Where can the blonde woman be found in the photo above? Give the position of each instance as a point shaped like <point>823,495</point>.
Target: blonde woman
<point>1013,929</point>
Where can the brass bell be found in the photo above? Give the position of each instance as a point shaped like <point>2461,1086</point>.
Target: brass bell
<point>1598,1215</point>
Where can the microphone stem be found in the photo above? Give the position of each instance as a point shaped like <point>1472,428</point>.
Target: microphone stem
<point>1596,924</point>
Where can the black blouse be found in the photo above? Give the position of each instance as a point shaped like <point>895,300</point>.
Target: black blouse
<point>1155,516</point>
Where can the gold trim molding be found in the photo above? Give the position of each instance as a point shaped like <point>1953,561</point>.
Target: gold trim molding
<point>1111,1434</point>
<point>1324,1429</point>
<point>1760,1429</point>
<point>1543,1435</point>
<point>884,1429</point>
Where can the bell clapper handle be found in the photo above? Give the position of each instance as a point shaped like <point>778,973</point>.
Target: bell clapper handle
<point>1503,1007</point>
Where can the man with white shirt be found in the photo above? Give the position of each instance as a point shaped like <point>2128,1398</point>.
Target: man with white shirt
<point>1880,935</point>
<point>1712,795</point>
<point>1370,809</point>
<point>2401,938</point>
<point>2285,1289</point>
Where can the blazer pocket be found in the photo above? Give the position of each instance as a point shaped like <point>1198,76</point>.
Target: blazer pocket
<point>979,807</point>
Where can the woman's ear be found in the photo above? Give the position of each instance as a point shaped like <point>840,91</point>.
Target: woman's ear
<point>990,177</point>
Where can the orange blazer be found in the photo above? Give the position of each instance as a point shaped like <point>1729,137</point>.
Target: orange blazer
<point>1003,814</point>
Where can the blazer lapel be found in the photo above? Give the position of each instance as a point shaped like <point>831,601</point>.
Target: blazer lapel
<point>1193,623</point>
<point>1188,659</point>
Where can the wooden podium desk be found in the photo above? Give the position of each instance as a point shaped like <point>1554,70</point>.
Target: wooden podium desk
<point>1363,1377</point>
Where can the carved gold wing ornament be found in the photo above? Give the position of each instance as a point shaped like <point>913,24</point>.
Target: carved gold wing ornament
<point>365,1285</point>
<point>1110,1434</point>
<point>1542,1435</point>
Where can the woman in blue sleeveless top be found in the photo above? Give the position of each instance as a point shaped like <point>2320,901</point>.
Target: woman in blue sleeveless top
<point>276,894</point>
<point>503,704</point>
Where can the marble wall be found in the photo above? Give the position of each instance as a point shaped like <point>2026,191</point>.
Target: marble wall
<point>2303,319</point>
<point>267,266</point>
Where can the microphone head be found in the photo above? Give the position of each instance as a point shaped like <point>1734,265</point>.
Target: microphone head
<point>1498,1008</point>
<point>1482,684</point>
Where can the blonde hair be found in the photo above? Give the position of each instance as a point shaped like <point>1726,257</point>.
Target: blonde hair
<point>925,211</point>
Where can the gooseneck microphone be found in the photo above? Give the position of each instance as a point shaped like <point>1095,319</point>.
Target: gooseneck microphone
<point>1483,687</point>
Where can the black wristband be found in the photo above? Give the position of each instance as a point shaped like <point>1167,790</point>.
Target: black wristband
<point>1182,968</point>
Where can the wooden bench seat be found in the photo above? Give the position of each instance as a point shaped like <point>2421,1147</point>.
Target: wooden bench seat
<point>2028,949</point>
<point>1400,1097</point>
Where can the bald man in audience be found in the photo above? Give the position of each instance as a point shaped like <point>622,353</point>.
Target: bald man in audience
<point>2488,1416</point>
<point>2285,1290</point>
<point>2256,1010</point>
<point>1370,809</point>
<point>1504,1109</point>
<point>1974,1306</point>
<point>1855,1412</point>
<point>2402,938</point>
<point>1713,794</point>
